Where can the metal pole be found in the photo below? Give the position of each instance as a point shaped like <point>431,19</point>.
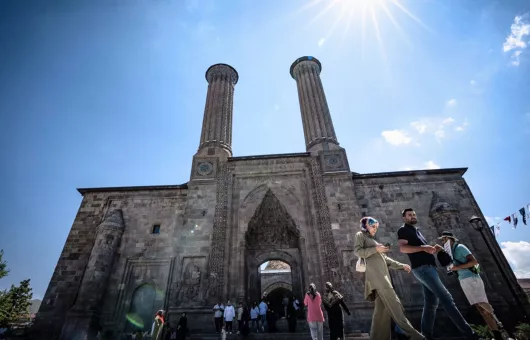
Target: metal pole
<point>515,295</point>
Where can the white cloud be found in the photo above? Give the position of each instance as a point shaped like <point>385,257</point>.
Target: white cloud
<point>448,120</point>
<point>518,255</point>
<point>321,42</point>
<point>396,137</point>
<point>516,39</point>
<point>439,134</point>
<point>419,126</point>
<point>462,128</point>
<point>451,102</point>
<point>515,58</point>
<point>473,82</point>
<point>431,165</point>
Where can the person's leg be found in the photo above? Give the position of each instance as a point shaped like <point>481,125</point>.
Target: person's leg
<point>313,330</point>
<point>473,288</point>
<point>430,303</point>
<point>397,313</point>
<point>218,322</point>
<point>320,330</point>
<point>381,321</point>
<point>431,280</point>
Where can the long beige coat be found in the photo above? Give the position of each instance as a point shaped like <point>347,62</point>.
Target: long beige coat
<point>157,329</point>
<point>377,264</point>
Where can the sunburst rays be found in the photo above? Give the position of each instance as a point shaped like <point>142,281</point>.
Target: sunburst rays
<point>340,14</point>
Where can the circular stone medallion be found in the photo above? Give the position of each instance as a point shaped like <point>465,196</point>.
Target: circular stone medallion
<point>204,168</point>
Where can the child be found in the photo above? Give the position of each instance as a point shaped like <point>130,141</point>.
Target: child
<point>223,333</point>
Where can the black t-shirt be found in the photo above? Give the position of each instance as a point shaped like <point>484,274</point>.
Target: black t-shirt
<point>415,238</point>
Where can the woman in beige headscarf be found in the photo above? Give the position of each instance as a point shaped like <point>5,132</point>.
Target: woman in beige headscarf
<point>158,325</point>
<point>378,287</point>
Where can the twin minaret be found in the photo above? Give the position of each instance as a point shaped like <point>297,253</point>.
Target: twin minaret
<point>216,135</point>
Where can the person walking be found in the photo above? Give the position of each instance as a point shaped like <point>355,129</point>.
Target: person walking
<point>333,301</point>
<point>263,307</point>
<point>315,317</point>
<point>158,326</point>
<point>467,268</point>
<point>292,315</point>
<point>378,287</point>
<point>421,256</point>
<point>218,312</point>
<point>229,315</point>
<point>182,327</point>
<point>254,316</point>
<point>239,315</point>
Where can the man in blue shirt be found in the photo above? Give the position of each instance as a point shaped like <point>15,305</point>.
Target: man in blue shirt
<point>466,265</point>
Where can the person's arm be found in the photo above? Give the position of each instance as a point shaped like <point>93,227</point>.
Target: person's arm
<point>359,249</point>
<point>406,249</point>
<point>471,260</point>
<point>345,307</point>
<point>393,264</point>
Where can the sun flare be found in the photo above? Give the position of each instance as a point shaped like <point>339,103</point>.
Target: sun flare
<point>342,13</point>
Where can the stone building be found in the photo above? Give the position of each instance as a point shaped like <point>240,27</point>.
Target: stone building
<point>134,250</point>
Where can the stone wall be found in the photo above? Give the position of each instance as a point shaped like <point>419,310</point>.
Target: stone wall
<point>273,279</point>
<point>201,223</point>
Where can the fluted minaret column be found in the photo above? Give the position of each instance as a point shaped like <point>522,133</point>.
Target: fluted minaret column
<point>318,127</point>
<point>217,122</point>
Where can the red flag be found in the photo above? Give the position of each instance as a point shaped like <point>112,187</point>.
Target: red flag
<point>508,218</point>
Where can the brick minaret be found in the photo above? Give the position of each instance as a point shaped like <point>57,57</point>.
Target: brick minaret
<point>216,135</point>
<point>318,127</point>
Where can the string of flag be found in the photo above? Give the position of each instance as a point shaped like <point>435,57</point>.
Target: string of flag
<point>513,219</point>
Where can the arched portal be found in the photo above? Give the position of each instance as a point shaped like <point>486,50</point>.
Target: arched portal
<point>272,235</point>
<point>141,311</point>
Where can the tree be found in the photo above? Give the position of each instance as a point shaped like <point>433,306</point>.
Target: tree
<point>3,265</point>
<point>15,302</point>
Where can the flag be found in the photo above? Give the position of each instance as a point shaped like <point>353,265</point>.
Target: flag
<point>514,218</point>
<point>528,210</point>
<point>523,214</point>
<point>493,230</point>
<point>498,231</point>
<point>508,218</point>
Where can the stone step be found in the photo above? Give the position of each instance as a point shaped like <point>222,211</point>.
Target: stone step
<point>274,336</point>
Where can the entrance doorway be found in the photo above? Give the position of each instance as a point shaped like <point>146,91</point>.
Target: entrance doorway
<point>276,284</point>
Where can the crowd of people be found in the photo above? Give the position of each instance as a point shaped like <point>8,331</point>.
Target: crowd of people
<point>375,263</point>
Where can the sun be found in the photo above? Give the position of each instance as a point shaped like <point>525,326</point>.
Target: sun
<point>367,12</point>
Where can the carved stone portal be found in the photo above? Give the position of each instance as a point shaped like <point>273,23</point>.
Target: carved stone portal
<point>272,225</point>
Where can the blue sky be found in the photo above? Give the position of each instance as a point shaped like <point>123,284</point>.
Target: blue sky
<point>111,93</point>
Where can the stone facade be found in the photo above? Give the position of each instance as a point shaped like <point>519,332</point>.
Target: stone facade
<point>237,212</point>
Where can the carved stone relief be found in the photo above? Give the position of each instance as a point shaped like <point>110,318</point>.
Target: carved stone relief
<point>189,285</point>
<point>272,225</point>
<point>217,252</point>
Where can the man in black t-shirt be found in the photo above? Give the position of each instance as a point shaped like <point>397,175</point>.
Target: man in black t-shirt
<point>423,264</point>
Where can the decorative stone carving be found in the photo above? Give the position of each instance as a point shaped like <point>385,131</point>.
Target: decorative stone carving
<point>272,225</point>
<point>324,220</point>
<point>192,282</point>
<point>222,70</point>
<point>217,252</point>
<point>443,214</point>
<point>204,168</point>
<point>334,160</point>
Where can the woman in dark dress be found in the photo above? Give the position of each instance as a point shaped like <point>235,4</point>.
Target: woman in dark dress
<point>182,327</point>
<point>333,302</point>
<point>245,321</point>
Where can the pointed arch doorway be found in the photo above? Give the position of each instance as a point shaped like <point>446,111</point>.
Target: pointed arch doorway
<point>271,235</point>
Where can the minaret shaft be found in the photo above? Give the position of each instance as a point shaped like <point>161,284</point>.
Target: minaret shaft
<point>319,132</point>
<point>217,122</point>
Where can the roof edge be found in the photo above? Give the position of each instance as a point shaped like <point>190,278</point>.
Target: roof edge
<point>84,191</point>
<point>455,171</point>
<point>272,156</point>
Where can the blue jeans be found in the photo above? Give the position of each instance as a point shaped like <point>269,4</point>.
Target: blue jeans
<point>434,292</point>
